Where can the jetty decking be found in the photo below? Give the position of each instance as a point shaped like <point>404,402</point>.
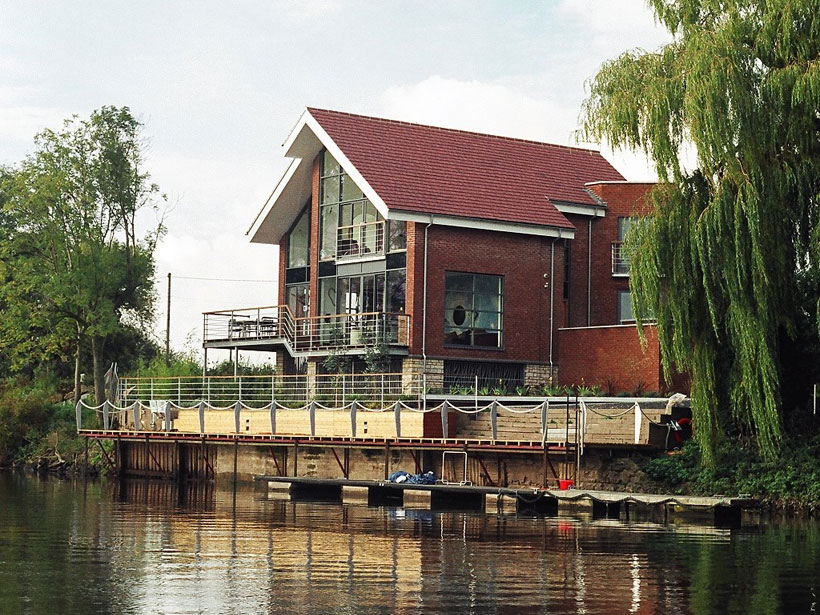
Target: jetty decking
<point>727,511</point>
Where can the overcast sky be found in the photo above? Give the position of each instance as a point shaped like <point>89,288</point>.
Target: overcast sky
<point>220,85</point>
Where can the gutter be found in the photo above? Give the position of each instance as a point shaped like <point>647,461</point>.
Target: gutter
<point>552,298</point>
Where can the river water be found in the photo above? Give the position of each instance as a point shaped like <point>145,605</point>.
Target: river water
<point>149,547</point>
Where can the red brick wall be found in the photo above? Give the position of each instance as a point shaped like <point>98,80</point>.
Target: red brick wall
<point>283,261</point>
<point>610,357</point>
<point>521,259</point>
<point>622,199</point>
<point>579,267</point>
<point>415,271</point>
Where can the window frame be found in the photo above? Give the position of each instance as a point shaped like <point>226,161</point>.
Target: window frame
<point>472,309</point>
<point>619,306</point>
<point>305,212</point>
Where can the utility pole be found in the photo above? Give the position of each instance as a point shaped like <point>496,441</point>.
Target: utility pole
<point>168,325</point>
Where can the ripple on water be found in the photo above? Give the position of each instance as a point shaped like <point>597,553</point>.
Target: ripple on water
<point>78,548</point>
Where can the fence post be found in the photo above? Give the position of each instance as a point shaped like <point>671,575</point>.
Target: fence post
<point>582,425</point>
<point>273,404</point>
<point>475,392</point>
<point>167,416</point>
<point>237,409</point>
<point>208,389</point>
<point>494,419</point>
<point>152,388</point>
<point>424,391</point>
<point>353,407</point>
<point>444,423</point>
<point>105,415</point>
<point>135,409</point>
<point>544,425</point>
<point>239,390</point>
<point>79,413</point>
<point>397,413</point>
<point>382,401</point>
<point>312,416</point>
<point>637,423</point>
<point>179,391</point>
<point>201,417</point>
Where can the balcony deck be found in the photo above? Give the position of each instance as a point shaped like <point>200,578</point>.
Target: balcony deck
<point>275,328</point>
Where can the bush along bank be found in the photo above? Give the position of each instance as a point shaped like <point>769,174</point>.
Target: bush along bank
<point>38,431</point>
<point>790,482</point>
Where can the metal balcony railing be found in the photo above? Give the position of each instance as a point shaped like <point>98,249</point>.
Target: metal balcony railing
<point>287,390</point>
<point>352,331</point>
<point>319,333</point>
<point>360,240</point>
<point>620,262</point>
<point>240,324</point>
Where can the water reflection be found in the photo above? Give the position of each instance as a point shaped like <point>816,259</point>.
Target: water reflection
<point>153,547</point>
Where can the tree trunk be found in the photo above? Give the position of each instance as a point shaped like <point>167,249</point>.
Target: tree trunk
<point>97,344</point>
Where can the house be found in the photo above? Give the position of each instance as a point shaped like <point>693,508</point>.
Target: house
<point>457,254</point>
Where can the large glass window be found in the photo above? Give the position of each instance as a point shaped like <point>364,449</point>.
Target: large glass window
<point>625,314</point>
<point>350,224</point>
<point>398,236</point>
<point>473,310</point>
<point>396,291</point>
<point>624,222</point>
<point>299,241</point>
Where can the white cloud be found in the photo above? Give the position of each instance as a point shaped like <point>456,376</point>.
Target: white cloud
<point>19,124</point>
<point>619,24</point>
<point>480,106</point>
<point>500,109</point>
<point>223,257</point>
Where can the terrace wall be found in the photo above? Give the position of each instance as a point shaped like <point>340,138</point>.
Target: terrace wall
<point>612,358</point>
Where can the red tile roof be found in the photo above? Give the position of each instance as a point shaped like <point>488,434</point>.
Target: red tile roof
<point>429,170</point>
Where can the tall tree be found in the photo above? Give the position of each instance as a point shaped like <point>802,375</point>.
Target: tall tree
<point>74,257</point>
<point>720,259</point>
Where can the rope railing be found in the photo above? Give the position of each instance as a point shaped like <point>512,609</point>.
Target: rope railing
<point>129,417</point>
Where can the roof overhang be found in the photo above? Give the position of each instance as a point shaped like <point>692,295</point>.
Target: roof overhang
<point>303,144</point>
<point>580,209</point>
<point>484,224</point>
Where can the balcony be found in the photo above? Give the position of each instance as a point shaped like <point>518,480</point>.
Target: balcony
<point>356,241</point>
<point>620,263</point>
<point>274,328</point>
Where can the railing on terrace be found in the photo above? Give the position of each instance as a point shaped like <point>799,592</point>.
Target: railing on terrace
<point>270,321</point>
<point>620,263</point>
<point>352,330</point>
<point>554,421</point>
<point>360,240</point>
<point>307,334</point>
<point>336,389</point>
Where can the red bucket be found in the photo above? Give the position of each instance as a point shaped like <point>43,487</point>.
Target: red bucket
<point>563,485</point>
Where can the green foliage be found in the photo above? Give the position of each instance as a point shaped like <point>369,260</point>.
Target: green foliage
<point>79,272</point>
<point>718,261</point>
<point>337,362</point>
<point>377,357</point>
<point>34,425</point>
<point>790,479</point>
<point>178,365</point>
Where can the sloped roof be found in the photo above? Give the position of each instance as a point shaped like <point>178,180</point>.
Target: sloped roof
<point>429,170</point>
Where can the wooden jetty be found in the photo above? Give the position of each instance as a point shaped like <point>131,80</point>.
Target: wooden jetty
<point>724,511</point>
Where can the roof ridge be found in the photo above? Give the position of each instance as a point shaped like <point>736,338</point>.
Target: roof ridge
<point>454,130</point>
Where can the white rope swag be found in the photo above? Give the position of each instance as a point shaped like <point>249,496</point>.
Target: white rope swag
<point>163,413</point>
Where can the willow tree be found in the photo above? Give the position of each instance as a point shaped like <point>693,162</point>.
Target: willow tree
<point>728,112</point>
